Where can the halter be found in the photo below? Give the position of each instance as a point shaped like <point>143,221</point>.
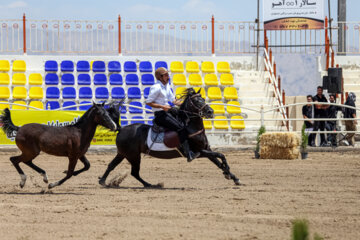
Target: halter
<point>199,109</point>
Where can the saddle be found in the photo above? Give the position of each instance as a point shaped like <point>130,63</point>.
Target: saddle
<point>168,137</point>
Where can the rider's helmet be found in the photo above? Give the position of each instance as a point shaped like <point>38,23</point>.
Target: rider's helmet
<point>160,71</point>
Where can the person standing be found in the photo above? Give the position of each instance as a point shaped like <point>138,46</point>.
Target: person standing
<point>331,125</point>
<point>350,125</point>
<point>320,112</point>
<point>308,114</point>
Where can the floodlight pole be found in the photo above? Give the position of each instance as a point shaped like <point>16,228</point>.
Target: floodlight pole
<point>258,36</point>
<point>330,20</point>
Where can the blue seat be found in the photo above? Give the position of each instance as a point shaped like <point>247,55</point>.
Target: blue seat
<point>137,119</point>
<point>147,79</point>
<point>51,79</point>
<point>51,66</point>
<point>146,92</point>
<point>115,79</point>
<point>100,79</point>
<point>122,109</point>
<point>161,64</point>
<point>67,66</point>
<point>135,110</point>
<point>85,93</point>
<point>117,93</point>
<point>67,79</point>
<point>98,66</point>
<point>83,66</point>
<point>70,103</point>
<point>132,79</point>
<point>145,66</point>
<point>130,66</point>
<point>52,93</point>
<point>134,93</point>
<point>148,107</point>
<point>52,105</point>
<point>150,122</point>
<point>84,79</point>
<point>114,66</point>
<point>101,93</point>
<point>85,107</point>
<point>123,121</point>
<point>69,93</point>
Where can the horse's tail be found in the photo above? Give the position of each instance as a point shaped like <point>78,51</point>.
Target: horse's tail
<point>6,124</point>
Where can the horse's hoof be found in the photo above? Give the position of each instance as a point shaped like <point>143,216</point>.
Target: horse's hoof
<point>23,180</point>
<point>22,184</point>
<point>237,182</point>
<point>102,183</point>
<point>51,185</point>
<point>45,179</point>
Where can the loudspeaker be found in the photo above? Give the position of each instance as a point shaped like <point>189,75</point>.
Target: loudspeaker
<point>334,80</point>
<point>325,83</point>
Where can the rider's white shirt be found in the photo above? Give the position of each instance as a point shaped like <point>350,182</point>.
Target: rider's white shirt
<point>160,94</point>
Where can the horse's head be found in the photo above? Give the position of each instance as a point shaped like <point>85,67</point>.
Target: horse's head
<point>193,102</point>
<point>103,118</point>
<point>114,113</point>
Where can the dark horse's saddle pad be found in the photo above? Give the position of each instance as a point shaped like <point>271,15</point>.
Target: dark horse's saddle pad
<point>162,135</point>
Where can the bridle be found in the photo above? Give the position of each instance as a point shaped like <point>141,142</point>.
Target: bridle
<point>199,109</point>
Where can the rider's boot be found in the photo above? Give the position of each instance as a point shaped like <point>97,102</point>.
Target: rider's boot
<point>188,153</point>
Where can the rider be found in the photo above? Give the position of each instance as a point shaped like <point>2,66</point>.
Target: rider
<point>160,94</point>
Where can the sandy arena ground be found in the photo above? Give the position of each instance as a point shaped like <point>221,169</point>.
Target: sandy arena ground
<point>197,202</point>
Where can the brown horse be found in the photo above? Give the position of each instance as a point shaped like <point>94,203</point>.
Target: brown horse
<point>72,141</point>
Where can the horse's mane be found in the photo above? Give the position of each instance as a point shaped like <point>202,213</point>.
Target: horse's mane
<point>185,95</point>
<point>83,118</point>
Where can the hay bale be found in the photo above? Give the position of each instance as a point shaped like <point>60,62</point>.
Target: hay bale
<point>280,139</point>
<point>270,152</point>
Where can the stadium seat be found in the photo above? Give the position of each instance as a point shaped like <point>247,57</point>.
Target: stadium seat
<point>218,109</point>
<point>101,93</point>
<point>84,79</point>
<point>230,93</point>
<point>52,105</point>
<point>233,110</point>
<point>237,124</point>
<point>100,79</point>
<point>35,79</point>
<point>150,122</point>
<point>214,93</point>
<point>67,66</point>
<point>4,79</point>
<point>117,93</point>
<point>123,121</point>
<point>18,79</point>
<point>4,65</point>
<point>36,93</point>
<point>207,124</point>
<point>135,110</point>
<point>195,79</point>
<point>116,79</point>
<point>36,104</point>
<point>145,66</point>
<point>51,66</point>
<point>192,67</point>
<point>211,79</point>
<point>91,64</point>
<point>147,79</point>
<point>4,105</point>
<point>114,66</point>
<point>149,109</point>
<point>85,107</point>
<point>67,79</point>
<point>179,79</point>
<point>122,109</point>
<point>19,93</point>
<point>226,79</point>
<point>134,93</point>
<point>17,107</point>
<point>69,93</point>
<point>130,66</point>
<point>221,124</point>
<point>137,119</point>
<point>176,67</point>
<point>161,64</point>
<point>19,66</point>
<point>207,67</point>
<point>52,93</point>
<point>4,93</point>
<point>98,66</point>
<point>223,67</point>
<point>179,91</point>
<point>85,93</point>
<point>69,103</point>
<point>146,92</point>
<point>202,91</point>
<point>83,66</point>
<point>51,79</point>
<point>132,79</point>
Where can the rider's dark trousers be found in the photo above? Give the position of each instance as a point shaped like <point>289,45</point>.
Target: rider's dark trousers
<point>166,120</point>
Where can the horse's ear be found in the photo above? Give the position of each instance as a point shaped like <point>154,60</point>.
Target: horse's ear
<point>199,90</point>
<point>103,104</point>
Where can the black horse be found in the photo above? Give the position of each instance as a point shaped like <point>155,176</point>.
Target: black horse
<point>131,139</point>
<point>72,141</point>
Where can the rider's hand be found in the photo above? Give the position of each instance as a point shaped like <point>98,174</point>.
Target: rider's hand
<point>166,108</point>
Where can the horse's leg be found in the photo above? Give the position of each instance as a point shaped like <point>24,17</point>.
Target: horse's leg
<point>69,173</point>
<point>37,169</point>
<point>86,167</point>
<point>135,170</point>
<point>112,165</point>
<point>15,161</point>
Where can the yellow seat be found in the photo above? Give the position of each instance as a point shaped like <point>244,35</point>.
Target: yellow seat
<point>19,66</point>
<point>4,105</point>
<point>207,67</point>
<point>214,93</point>
<point>91,63</point>
<point>221,124</point>
<point>4,92</point>
<point>202,91</point>
<point>207,124</point>
<point>16,107</point>
<point>195,79</point>
<point>35,79</point>
<point>4,65</point>
<point>36,93</point>
<point>230,93</point>
<point>4,79</point>
<point>19,93</point>
<point>226,79</point>
<point>218,109</point>
<point>211,79</point>
<point>237,124</point>
<point>176,67</point>
<point>192,67</point>
<point>223,67</point>
<point>36,104</point>
<point>179,79</point>
<point>18,79</point>
<point>232,109</point>
<point>179,91</point>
